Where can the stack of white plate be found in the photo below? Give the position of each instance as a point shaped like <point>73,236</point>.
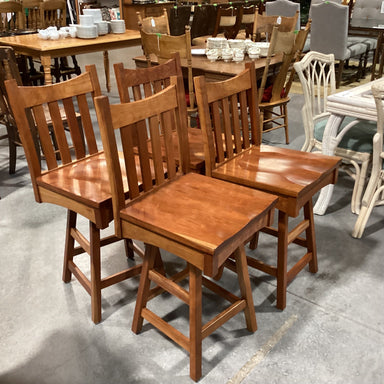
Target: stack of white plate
<point>102,27</point>
<point>94,12</point>
<point>217,43</point>
<point>118,26</point>
<point>237,43</point>
<point>86,31</point>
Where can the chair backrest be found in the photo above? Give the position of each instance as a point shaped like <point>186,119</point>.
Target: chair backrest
<point>283,8</point>
<point>367,9</point>
<point>229,116</point>
<point>204,20</point>
<point>54,13</point>
<point>264,24</point>
<point>154,24</point>
<point>11,16</point>
<point>164,47</point>
<point>314,2</point>
<point>179,16</point>
<point>281,42</point>
<point>330,34</point>
<point>34,108</point>
<point>160,114</point>
<point>32,14</point>
<point>248,18</point>
<point>228,21</point>
<point>316,72</point>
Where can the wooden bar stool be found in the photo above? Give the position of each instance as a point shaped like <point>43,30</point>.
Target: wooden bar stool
<point>199,219</point>
<point>75,177</point>
<point>229,117</point>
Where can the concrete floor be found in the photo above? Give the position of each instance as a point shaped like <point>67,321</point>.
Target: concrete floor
<point>332,330</point>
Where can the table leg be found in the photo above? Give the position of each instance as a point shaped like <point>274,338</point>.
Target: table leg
<point>46,63</point>
<point>106,69</point>
<point>378,53</point>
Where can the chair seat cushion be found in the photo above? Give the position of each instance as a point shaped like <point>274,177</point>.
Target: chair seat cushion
<point>358,138</point>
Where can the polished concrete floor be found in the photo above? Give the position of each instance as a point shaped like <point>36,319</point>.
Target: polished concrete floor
<point>332,330</point>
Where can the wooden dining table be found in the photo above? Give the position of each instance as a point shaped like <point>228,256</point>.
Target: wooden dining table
<point>45,50</point>
<point>218,70</point>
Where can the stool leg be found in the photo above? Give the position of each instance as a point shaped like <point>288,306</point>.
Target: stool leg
<point>69,245</point>
<point>310,236</point>
<point>94,242</point>
<point>282,252</point>
<point>150,255</point>
<point>245,288</point>
<point>195,322</point>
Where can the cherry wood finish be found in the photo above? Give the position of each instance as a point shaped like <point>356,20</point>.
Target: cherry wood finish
<point>233,152</point>
<point>76,176</point>
<point>145,82</point>
<point>228,21</point>
<point>197,218</point>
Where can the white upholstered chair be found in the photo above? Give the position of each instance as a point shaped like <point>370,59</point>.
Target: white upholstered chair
<point>373,195</point>
<point>316,72</point>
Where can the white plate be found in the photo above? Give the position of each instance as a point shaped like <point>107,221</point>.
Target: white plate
<point>198,51</point>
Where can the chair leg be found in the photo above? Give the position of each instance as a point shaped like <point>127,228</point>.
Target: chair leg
<point>284,112</point>
<point>195,322</point>
<point>12,150</point>
<point>94,240</point>
<point>339,74</point>
<point>245,288</point>
<point>69,246</point>
<point>150,255</point>
<point>282,254</point>
<point>310,236</point>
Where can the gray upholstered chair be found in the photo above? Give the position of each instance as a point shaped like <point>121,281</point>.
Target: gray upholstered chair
<point>367,9</point>
<point>330,35</point>
<point>283,8</point>
<point>314,2</point>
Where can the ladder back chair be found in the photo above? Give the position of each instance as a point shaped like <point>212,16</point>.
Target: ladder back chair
<point>164,47</point>
<point>228,21</point>
<point>316,73</point>
<point>140,83</point>
<point>73,178</point>
<point>154,24</point>
<point>233,153</point>
<point>179,16</point>
<point>169,214</point>
<point>11,16</point>
<point>274,90</point>
<point>263,25</point>
<point>374,193</point>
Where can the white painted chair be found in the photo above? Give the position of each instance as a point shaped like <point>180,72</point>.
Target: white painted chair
<point>316,72</point>
<point>374,194</point>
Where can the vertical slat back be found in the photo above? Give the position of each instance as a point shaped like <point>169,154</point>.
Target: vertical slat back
<point>228,108</point>
<point>53,111</point>
<point>160,113</point>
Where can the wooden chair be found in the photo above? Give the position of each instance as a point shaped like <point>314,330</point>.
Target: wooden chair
<point>11,16</point>
<point>274,98</point>
<point>154,24</point>
<point>233,153</point>
<point>247,19</point>
<point>263,25</point>
<point>9,70</point>
<point>373,195</point>
<point>203,23</point>
<point>164,47</point>
<point>200,220</point>
<point>316,72</point>
<point>75,179</point>
<point>32,14</point>
<point>228,21</point>
<point>141,83</point>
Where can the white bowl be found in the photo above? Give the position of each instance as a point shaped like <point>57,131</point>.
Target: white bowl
<point>86,20</point>
<point>264,47</point>
<point>86,31</point>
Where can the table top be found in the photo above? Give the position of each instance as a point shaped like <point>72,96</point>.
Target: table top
<point>217,69</point>
<point>356,102</point>
<point>32,45</point>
